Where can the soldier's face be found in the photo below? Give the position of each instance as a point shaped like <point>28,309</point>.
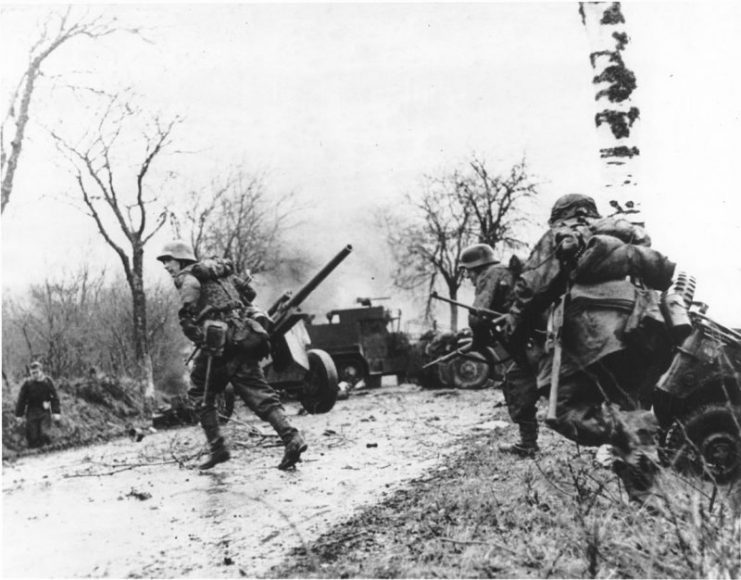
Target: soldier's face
<point>172,266</point>
<point>36,373</point>
<point>471,274</point>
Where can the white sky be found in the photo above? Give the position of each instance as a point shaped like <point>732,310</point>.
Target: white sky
<point>349,105</point>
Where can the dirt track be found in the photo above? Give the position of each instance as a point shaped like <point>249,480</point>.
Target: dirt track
<point>141,509</point>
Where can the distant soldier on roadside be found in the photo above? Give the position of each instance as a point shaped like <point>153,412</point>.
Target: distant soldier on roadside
<point>37,400</point>
<point>210,291</point>
<point>493,285</point>
<point>597,279</point>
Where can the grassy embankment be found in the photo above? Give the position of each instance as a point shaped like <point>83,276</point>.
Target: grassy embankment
<point>484,514</point>
<point>92,411</point>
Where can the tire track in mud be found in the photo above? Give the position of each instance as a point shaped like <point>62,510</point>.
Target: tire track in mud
<point>242,517</point>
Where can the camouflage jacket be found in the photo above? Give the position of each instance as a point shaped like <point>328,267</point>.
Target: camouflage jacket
<point>603,265</point>
<point>209,290</point>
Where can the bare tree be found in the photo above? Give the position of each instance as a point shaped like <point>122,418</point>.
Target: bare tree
<point>55,32</point>
<point>123,213</point>
<point>239,219</point>
<point>427,249</point>
<point>493,201</point>
<point>54,322</point>
<point>451,213</point>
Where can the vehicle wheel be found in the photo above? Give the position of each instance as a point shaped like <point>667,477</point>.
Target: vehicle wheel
<point>351,370</point>
<point>707,443</point>
<point>467,373</point>
<point>225,404</point>
<point>319,393</point>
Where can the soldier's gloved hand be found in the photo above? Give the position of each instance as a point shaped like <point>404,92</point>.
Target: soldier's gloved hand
<point>463,337</point>
<point>192,330</point>
<point>508,325</point>
<point>569,246</point>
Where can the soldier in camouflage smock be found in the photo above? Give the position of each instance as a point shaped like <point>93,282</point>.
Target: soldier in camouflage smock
<point>600,277</point>
<point>209,290</point>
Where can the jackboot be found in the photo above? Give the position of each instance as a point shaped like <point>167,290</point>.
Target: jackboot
<point>219,453</point>
<point>295,444</point>
<point>527,446</point>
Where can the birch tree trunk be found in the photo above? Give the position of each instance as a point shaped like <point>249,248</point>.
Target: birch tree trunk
<point>616,114</point>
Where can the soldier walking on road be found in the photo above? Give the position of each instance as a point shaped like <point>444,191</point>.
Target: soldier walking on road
<point>37,400</point>
<point>493,290</point>
<point>598,280</point>
<point>210,292</point>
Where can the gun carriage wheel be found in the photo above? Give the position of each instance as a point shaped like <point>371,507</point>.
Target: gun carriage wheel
<point>319,392</point>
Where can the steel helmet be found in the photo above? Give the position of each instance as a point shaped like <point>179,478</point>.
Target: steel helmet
<point>477,255</point>
<point>177,249</point>
<point>573,205</point>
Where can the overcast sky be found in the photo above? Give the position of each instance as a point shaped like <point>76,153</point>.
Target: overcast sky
<point>348,105</point>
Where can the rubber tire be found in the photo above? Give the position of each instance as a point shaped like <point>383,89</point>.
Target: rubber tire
<point>712,433</point>
<point>319,392</point>
<point>468,374</point>
<point>225,404</point>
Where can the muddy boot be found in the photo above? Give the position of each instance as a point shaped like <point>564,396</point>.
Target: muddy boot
<point>527,446</point>
<point>295,444</point>
<point>219,453</point>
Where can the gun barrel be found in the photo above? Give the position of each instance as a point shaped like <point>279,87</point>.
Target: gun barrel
<point>311,285</point>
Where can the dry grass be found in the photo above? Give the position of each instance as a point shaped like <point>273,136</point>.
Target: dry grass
<point>484,514</point>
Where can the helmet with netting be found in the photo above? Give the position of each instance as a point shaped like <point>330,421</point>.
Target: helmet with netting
<point>573,205</point>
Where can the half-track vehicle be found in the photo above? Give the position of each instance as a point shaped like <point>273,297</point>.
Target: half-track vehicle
<point>365,343</point>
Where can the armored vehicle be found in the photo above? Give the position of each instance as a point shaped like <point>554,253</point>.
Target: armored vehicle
<point>365,343</point>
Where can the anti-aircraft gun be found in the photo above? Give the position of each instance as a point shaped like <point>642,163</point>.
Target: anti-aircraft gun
<point>293,365</point>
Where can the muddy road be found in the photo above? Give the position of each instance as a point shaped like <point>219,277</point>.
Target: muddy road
<point>141,509</point>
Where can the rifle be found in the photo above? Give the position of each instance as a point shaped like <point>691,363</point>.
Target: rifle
<point>462,352</point>
<point>482,312</point>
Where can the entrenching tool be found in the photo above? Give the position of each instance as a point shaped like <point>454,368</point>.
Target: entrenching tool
<point>214,340</point>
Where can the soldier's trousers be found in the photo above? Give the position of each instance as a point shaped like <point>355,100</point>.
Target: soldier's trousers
<point>520,389</point>
<point>580,413</point>
<point>37,422</point>
<point>245,376</point>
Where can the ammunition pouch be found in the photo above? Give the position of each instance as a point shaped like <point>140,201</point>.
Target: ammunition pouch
<point>248,337</point>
